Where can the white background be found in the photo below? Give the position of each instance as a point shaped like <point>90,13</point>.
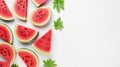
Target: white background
<point>91,37</point>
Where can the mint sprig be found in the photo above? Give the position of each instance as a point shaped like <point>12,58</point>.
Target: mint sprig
<point>49,63</point>
<point>14,65</point>
<point>58,5</point>
<point>58,24</point>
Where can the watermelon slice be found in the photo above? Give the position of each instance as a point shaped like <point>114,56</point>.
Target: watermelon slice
<point>7,51</point>
<point>4,64</point>
<point>29,57</point>
<point>20,9</point>
<point>39,2</point>
<point>5,33</point>
<point>25,34</point>
<point>43,44</point>
<point>5,13</point>
<point>41,16</point>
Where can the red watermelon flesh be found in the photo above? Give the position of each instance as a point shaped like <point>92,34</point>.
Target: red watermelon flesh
<point>20,8</point>
<point>43,44</point>
<point>29,58</point>
<point>5,33</point>
<point>41,16</point>
<point>39,2</point>
<point>7,51</point>
<point>5,13</point>
<point>40,13</point>
<point>25,34</point>
<point>4,64</point>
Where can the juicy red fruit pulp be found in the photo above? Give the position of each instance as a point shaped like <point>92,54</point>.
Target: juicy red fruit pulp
<point>40,16</point>
<point>5,34</point>
<point>28,58</point>
<point>4,64</point>
<point>21,8</point>
<point>24,33</point>
<point>7,52</point>
<point>44,43</point>
<point>4,10</point>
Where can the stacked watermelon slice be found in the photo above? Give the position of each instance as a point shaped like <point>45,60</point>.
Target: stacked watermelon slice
<point>39,17</point>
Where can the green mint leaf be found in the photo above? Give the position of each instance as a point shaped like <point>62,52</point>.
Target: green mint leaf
<point>58,24</point>
<point>49,63</point>
<point>58,5</point>
<point>14,65</point>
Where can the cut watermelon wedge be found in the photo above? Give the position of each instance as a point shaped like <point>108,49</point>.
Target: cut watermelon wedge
<point>5,13</point>
<point>43,44</point>
<point>5,33</point>
<point>8,52</point>
<point>39,2</point>
<point>20,9</point>
<point>25,34</point>
<point>29,57</point>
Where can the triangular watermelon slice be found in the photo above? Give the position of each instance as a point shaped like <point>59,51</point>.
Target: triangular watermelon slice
<point>5,13</point>
<point>43,44</point>
<point>39,2</point>
<point>20,9</point>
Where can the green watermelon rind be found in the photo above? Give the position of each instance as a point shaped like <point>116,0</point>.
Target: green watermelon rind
<point>10,31</point>
<point>43,23</point>
<point>36,4</point>
<point>40,51</point>
<point>30,51</point>
<point>7,19</point>
<point>19,17</point>
<point>12,48</point>
<point>25,41</point>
